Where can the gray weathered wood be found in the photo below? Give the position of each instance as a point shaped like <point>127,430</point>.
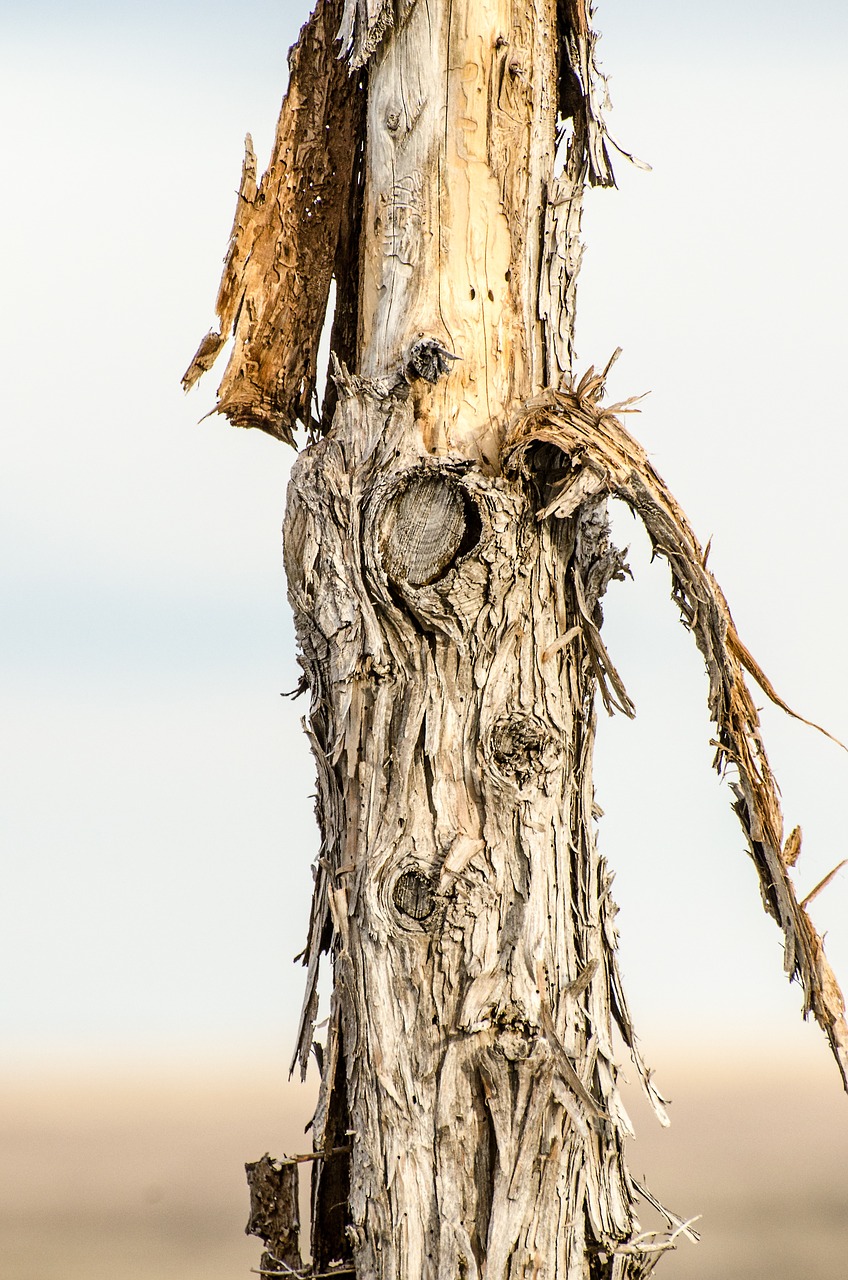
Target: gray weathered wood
<point>275,1213</point>
<point>475,973</point>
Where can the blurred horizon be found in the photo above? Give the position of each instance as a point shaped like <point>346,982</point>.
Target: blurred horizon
<point>139,1172</point>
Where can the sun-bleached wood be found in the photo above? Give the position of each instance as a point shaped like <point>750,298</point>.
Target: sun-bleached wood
<point>462,109</point>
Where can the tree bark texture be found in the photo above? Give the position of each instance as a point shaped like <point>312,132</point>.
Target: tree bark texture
<point>473,928</point>
<point>447,551</point>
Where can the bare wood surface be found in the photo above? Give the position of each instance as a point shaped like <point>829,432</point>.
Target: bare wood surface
<point>461,116</point>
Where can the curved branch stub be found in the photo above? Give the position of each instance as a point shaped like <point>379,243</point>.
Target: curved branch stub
<point>429,359</point>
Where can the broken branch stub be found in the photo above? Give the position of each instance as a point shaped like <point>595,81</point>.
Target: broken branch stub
<point>484,265</point>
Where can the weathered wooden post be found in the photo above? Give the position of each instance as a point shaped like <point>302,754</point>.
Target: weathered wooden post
<point>447,550</point>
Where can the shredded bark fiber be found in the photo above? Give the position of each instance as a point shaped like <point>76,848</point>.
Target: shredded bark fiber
<point>459,885</point>
<point>598,456</point>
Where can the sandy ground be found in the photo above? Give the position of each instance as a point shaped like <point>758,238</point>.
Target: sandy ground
<point>138,1175</point>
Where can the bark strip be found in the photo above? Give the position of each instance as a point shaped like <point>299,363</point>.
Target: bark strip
<point>275,1214</point>
<point>573,446</point>
<point>284,245</point>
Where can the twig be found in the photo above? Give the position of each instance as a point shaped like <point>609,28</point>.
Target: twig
<point>822,884</point>
<point>306,1156</point>
<point>671,1218</point>
<point>304,1275</point>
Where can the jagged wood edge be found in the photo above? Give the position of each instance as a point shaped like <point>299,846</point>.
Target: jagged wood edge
<point>292,226</point>
<point>365,24</point>
<point>605,458</point>
<point>284,245</point>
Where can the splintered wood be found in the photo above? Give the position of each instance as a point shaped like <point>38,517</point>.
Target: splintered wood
<point>598,458</point>
<point>275,1214</point>
<point>467,234</point>
<point>446,548</point>
<point>291,233</point>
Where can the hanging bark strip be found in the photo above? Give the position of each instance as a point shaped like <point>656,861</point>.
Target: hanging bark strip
<point>596,457</point>
<point>447,551</point>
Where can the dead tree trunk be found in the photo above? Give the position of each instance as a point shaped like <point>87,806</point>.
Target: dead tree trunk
<point>447,551</point>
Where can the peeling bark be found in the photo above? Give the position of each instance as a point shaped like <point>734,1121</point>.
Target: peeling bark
<point>598,457</point>
<point>275,1214</point>
<point>292,232</point>
<point>473,928</point>
<point>449,623</point>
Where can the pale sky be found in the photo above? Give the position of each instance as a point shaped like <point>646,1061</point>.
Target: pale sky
<point>156,812</point>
